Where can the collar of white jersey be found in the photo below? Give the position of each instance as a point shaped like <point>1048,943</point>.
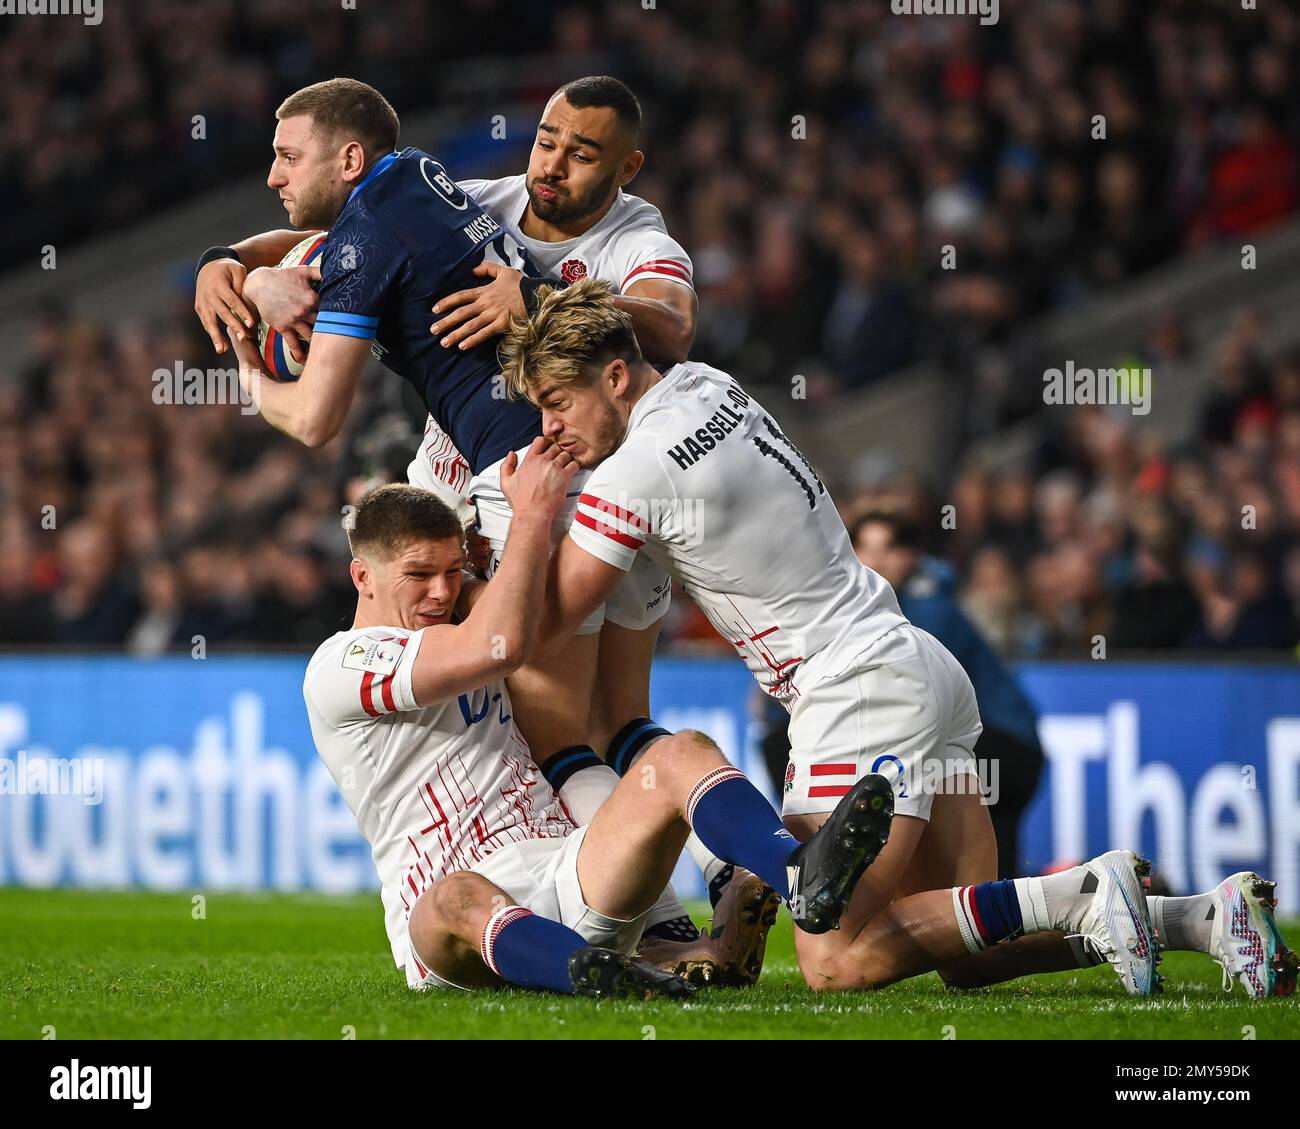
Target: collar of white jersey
<point>655,395</point>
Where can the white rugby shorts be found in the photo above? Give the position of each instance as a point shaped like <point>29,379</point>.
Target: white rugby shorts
<point>904,708</point>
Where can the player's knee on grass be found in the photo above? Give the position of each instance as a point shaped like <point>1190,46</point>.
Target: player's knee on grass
<point>446,925</point>
<point>833,974</point>
<point>963,975</point>
<point>840,962</point>
<point>846,974</point>
<point>466,900</point>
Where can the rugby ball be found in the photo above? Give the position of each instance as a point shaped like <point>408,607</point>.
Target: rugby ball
<point>279,363</point>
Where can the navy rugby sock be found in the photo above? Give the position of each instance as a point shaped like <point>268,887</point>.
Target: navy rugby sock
<point>733,820</point>
<point>530,951</point>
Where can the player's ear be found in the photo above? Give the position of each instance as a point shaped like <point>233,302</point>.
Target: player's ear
<point>354,161</point>
<point>361,576</point>
<point>617,376</point>
<point>631,166</point>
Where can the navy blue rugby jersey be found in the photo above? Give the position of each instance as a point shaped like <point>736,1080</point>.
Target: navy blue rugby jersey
<point>407,236</point>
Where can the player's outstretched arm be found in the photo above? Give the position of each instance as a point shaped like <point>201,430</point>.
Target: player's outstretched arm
<point>469,317</point>
<point>500,634</point>
<point>664,314</point>
<point>269,247</point>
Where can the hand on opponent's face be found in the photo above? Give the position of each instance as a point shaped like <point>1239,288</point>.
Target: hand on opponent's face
<point>537,486</point>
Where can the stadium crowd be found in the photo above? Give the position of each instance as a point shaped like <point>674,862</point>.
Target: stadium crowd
<point>813,157</point>
<point>1108,534</point>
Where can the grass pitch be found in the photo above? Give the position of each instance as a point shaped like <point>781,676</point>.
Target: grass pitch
<point>134,965</point>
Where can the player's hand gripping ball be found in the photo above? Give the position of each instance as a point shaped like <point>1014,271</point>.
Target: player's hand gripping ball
<point>270,345</point>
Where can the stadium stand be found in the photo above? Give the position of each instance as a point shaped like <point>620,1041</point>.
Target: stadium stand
<point>815,158</point>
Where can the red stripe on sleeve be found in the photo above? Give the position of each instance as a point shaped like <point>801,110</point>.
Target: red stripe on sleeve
<point>633,519</point>
<point>613,534</point>
<point>367,680</point>
<point>834,770</point>
<point>386,689</point>
<point>664,267</point>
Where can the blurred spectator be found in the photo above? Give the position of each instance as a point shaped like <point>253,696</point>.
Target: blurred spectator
<point>26,613</point>
<point>92,604</point>
<point>869,327</point>
<point>1156,607</point>
<point>161,611</point>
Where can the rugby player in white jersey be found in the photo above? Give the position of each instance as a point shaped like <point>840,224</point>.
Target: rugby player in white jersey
<point>566,218</point>
<point>569,218</point>
<point>690,470</point>
<point>486,880</point>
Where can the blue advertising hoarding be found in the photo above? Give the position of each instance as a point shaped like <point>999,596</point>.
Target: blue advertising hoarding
<point>200,774</point>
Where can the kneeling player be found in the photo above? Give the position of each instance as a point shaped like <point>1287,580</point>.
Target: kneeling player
<point>563,914</point>
<point>485,877</point>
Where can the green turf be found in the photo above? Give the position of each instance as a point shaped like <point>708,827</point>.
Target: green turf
<point>113,965</point>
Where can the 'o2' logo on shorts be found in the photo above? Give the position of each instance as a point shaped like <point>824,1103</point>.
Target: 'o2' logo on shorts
<point>900,781</point>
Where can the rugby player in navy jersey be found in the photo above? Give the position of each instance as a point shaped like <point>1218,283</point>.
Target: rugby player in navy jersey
<point>401,233</point>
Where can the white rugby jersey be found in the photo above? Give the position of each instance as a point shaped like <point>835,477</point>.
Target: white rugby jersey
<point>434,789</point>
<point>630,244</point>
<point>709,486</point>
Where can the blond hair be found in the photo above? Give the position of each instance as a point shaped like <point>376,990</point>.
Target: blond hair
<point>574,334</point>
